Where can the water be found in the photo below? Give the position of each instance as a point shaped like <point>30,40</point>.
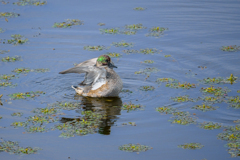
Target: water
<point>196,32</point>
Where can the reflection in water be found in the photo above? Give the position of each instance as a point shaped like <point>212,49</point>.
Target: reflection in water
<point>110,107</point>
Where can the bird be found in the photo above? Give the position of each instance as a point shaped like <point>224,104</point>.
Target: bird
<point>100,78</point>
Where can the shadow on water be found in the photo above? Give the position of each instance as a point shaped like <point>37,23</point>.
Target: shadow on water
<point>111,107</point>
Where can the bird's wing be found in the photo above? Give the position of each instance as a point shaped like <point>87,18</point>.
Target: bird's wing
<point>92,73</point>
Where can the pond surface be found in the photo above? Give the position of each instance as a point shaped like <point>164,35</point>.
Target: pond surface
<point>195,33</point>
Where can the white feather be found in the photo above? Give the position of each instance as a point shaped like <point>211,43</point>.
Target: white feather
<point>98,84</point>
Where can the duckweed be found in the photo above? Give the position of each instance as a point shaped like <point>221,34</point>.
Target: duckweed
<point>166,109</point>
<point>147,71</point>
<point>110,31</point>
<point>234,149</point>
<point>128,32</point>
<point>167,56</point>
<point>135,26</point>
<point>234,102</point>
<point>160,80</point>
<point>215,91</point>
<point>114,55</point>
<point>212,100</point>
<point>148,61</point>
<point>1,31</point>
<point>30,2</point>
<point>233,48</point>
<point>210,125</point>
<point>87,124</point>
<point>11,59</point>
<point>7,84</point>
<point>204,107</point>
<point>208,80</point>
<point>14,148</point>
<point>8,14</point>
<point>156,31</point>
<point>139,9</point>
<point>183,120</point>
<point>231,79</point>
<point>132,107</point>
<point>101,24</point>
<point>31,94</point>
<point>126,91</point>
<point>134,148</point>
<point>122,44</point>
<point>176,85</point>
<point>27,70</point>
<point>4,51</point>
<point>19,124</point>
<point>45,111</point>
<point>68,23</point>
<point>191,146</point>
<point>143,51</point>
<point>95,48</point>
<point>19,114</point>
<point>17,39</point>
<point>66,105</point>
<point>147,88</point>
<point>35,129</point>
<point>7,77</point>
<point>184,99</point>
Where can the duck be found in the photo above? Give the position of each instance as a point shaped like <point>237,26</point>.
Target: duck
<point>100,78</point>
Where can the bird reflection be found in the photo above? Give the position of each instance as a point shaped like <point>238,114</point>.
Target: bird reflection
<point>111,107</point>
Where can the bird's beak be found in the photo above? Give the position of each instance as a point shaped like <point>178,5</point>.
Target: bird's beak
<point>111,65</point>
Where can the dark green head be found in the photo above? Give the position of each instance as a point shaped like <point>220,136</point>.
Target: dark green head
<point>105,60</point>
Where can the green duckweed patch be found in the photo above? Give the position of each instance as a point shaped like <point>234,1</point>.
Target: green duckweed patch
<point>7,77</point>
<point>167,56</point>
<point>147,71</point>
<point>1,31</point>
<point>46,111</point>
<point>134,148</point>
<point>68,23</point>
<point>17,39</point>
<point>110,31</point>
<point>191,146</point>
<point>66,105</point>
<point>7,84</point>
<point>11,59</point>
<point>148,61</point>
<point>4,51</point>
<point>177,85</point>
<point>114,55</point>
<point>184,98</point>
<point>101,24</point>
<point>122,44</point>
<point>234,149</point>
<point>210,125</point>
<point>26,95</point>
<point>130,123</point>
<point>14,148</point>
<point>204,107</point>
<point>212,100</point>
<point>147,88</point>
<point>132,107</point>
<point>156,32</point>
<point>139,9</point>
<point>128,32</point>
<point>234,102</point>
<point>233,48</point>
<point>95,48</point>
<point>215,91</point>
<point>18,114</point>
<point>126,91</point>
<point>135,26</point>
<point>8,14</point>
<point>183,119</point>
<point>87,124</point>
<point>30,2</point>
<point>166,109</point>
<point>160,80</point>
<point>142,51</point>
<point>27,70</point>
<point>219,80</point>
<point>238,91</point>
